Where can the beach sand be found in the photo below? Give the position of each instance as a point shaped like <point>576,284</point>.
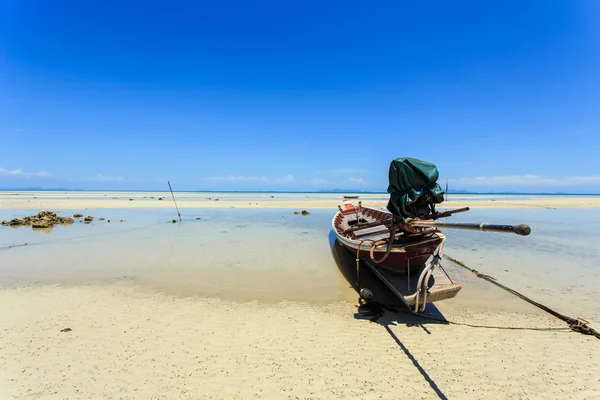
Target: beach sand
<point>127,343</point>
<point>197,309</point>
<point>97,200</point>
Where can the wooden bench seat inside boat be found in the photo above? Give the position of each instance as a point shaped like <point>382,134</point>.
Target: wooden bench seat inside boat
<point>371,231</point>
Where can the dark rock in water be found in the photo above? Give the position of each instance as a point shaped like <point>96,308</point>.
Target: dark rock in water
<point>77,215</point>
<point>174,221</point>
<point>44,220</point>
<point>46,214</point>
<point>88,219</point>
<point>41,223</point>
<point>296,212</point>
<point>304,212</point>
<point>151,197</point>
<point>108,220</point>
<point>272,196</point>
<point>101,219</point>
<point>197,218</point>
<point>160,198</point>
<point>121,220</point>
<point>131,199</point>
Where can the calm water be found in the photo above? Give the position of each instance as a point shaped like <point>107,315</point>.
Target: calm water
<point>273,255</point>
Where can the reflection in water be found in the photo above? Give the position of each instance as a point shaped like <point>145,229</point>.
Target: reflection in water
<point>43,230</point>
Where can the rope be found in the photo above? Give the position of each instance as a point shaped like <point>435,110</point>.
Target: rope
<point>448,276</point>
<point>576,324</point>
<point>491,326</point>
<point>379,314</point>
<point>389,248</point>
<point>358,260</point>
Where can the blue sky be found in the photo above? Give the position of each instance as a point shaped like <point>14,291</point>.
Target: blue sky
<point>274,95</point>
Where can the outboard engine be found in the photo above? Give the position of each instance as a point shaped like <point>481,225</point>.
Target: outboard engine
<point>413,188</point>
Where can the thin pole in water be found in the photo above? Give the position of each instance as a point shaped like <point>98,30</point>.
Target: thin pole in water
<point>177,208</point>
<point>446,189</point>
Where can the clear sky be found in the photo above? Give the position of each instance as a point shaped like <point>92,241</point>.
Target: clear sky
<point>299,95</point>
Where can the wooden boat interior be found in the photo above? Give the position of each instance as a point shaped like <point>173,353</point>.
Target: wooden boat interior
<point>360,223</point>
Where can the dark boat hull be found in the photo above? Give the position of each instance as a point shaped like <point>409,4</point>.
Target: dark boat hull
<point>414,257</point>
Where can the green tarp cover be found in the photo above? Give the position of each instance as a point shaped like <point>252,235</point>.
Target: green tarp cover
<point>413,187</point>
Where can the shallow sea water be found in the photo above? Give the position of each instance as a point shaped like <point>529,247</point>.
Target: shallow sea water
<point>274,255</point>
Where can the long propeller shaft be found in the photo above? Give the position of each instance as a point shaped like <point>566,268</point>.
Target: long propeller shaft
<point>521,229</point>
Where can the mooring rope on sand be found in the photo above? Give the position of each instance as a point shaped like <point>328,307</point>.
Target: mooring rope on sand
<point>376,314</point>
<point>575,324</point>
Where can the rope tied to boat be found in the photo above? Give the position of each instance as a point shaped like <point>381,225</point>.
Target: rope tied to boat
<point>358,259</point>
<point>392,230</point>
<point>575,324</point>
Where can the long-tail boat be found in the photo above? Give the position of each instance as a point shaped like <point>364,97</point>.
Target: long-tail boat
<point>405,239</point>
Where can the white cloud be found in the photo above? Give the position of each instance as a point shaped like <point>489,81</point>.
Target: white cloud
<point>107,178</point>
<point>584,179</point>
<point>319,181</point>
<point>20,173</point>
<point>347,171</point>
<point>356,181</point>
<point>286,179</point>
<point>136,178</point>
<point>525,180</point>
<point>237,178</point>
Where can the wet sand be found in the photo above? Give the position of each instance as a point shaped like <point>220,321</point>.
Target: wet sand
<point>97,200</point>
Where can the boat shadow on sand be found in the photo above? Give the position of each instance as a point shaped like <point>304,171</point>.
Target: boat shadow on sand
<point>387,309</point>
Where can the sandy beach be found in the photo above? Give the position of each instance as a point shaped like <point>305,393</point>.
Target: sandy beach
<point>97,200</point>
<point>248,303</point>
<point>125,343</point>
